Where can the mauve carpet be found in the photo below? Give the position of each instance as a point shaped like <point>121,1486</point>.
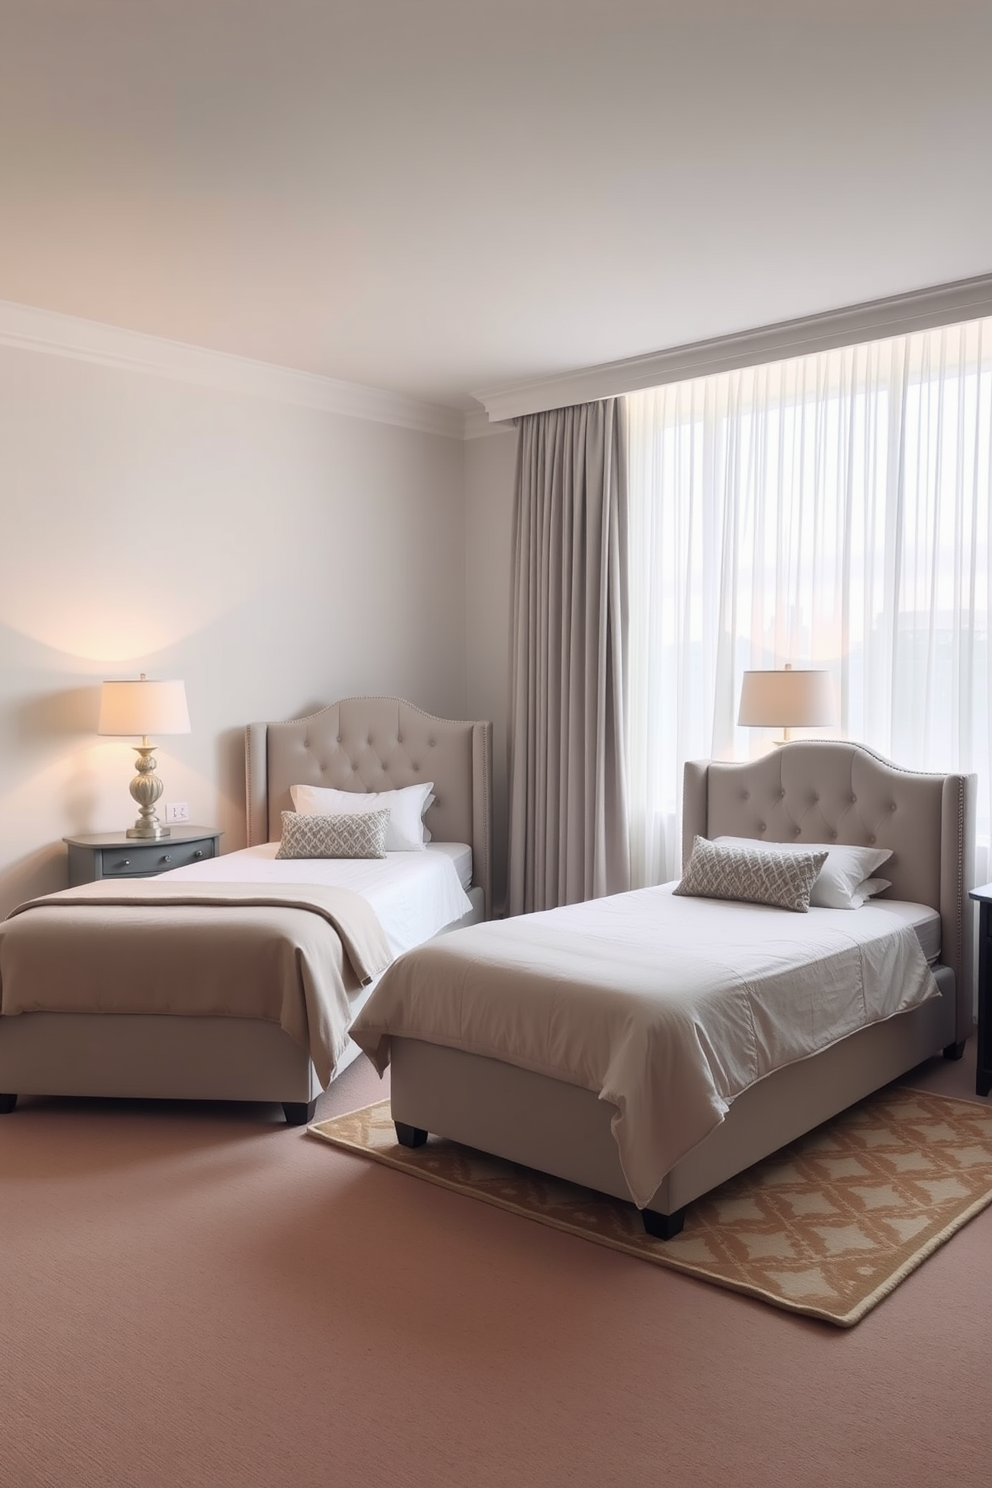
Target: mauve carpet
<point>828,1226</point>
<point>196,1297</point>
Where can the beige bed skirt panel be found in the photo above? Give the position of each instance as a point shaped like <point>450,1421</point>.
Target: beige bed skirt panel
<point>165,1058</point>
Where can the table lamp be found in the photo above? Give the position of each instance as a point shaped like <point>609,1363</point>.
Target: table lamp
<point>786,699</point>
<point>144,708</point>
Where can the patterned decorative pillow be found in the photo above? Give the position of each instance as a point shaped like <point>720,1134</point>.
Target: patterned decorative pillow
<point>757,875</point>
<point>839,880</point>
<point>357,835</point>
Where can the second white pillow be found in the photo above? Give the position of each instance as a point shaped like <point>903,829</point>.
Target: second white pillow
<point>841,876</point>
<point>405,831</point>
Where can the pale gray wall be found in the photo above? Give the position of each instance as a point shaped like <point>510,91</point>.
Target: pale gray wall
<point>273,556</point>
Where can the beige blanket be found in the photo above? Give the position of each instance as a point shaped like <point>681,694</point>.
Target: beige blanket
<point>666,1007</point>
<point>292,954</point>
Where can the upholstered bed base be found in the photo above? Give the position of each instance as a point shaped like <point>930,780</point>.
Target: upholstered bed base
<point>164,1058</point>
<point>168,1058</point>
<point>565,1130</point>
<point>809,791</point>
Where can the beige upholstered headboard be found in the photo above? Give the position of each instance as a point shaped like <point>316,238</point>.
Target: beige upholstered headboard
<point>833,791</point>
<point>373,744</point>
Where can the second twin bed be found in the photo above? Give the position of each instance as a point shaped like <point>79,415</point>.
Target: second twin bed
<point>652,1045</point>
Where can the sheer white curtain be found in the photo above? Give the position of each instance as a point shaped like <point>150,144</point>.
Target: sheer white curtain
<point>828,511</point>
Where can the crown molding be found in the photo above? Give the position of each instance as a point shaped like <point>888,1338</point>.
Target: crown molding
<point>33,329</point>
<point>944,304</point>
<point>478,425</point>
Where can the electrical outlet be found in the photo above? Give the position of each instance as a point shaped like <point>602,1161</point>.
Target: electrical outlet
<point>177,811</point>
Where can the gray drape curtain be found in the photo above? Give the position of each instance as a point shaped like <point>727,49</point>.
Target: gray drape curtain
<point>568,835</point>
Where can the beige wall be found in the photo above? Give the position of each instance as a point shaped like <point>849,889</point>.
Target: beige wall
<point>489,477</point>
<point>274,557</point>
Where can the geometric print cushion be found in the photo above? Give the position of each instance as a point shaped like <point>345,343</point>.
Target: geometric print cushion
<point>758,875</point>
<point>838,884</point>
<point>360,836</point>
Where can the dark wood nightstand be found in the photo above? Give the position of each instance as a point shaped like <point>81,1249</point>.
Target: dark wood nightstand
<point>116,855</point>
<point>983,1076</point>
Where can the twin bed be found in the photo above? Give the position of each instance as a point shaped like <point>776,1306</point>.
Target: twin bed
<point>537,1039</point>
<point>571,1069</point>
<point>195,999</point>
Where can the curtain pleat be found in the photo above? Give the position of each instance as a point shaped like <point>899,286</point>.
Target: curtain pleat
<point>568,836</point>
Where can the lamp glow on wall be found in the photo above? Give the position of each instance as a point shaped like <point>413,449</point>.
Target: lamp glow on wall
<point>144,708</point>
<point>787,699</point>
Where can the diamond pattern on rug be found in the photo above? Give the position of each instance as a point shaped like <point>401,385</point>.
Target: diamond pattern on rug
<point>827,1227</point>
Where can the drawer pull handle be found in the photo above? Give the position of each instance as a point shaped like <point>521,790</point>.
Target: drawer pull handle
<point>166,857</point>
<point>126,863</point>
<point>198,853</point>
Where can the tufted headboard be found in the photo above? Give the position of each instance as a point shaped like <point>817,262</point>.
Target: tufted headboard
<point>372,744</point>
<point>833,791</point>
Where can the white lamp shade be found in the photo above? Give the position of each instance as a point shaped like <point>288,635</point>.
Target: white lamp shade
<point>145,708</point>
<point>786,699</point>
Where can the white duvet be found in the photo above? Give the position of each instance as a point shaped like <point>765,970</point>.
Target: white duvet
<point>667,1007</point>
<point>414,894</point>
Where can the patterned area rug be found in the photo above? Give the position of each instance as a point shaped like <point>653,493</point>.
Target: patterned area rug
<point>827,1227</point>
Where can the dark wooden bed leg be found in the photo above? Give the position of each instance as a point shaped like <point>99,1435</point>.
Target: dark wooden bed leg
<point>663,1226</point>
<point>409,1136</point>
<point>298,1113</point>
<point>954,1051</point>
<point>7,1104</point>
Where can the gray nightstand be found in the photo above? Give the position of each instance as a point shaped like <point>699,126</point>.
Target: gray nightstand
<point>116,855</point>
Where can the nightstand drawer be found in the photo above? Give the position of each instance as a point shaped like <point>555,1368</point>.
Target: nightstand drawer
<point>152,857</point>
<point>115,855</point>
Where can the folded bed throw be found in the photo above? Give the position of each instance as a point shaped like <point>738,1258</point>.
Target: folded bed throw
<point>293,954</point>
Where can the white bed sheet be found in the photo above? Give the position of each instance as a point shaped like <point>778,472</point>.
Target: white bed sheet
<point>667,1007</point>
<point>924,920</point>
<point>461,855</point>
<point>414,895</point>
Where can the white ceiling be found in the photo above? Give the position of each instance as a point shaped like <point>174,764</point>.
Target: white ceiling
<point>434,197</point>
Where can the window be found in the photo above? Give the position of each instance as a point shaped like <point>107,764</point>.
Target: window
<point>830,511</point>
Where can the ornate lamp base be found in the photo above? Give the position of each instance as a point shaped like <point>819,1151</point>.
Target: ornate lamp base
<point>146,789</point>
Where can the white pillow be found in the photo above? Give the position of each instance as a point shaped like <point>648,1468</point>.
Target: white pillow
<point>839,881</point>
<point>868,890</point>
<point>405,832</point>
